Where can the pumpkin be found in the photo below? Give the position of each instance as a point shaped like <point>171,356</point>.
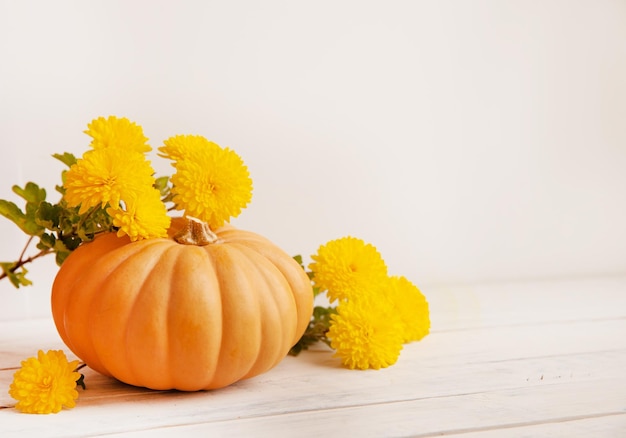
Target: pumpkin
<point>197,310</point>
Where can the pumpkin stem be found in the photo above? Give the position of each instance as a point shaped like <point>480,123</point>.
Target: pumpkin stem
<point>195,232</point>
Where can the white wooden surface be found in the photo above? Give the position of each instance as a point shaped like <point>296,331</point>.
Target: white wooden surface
<point>526,359</point>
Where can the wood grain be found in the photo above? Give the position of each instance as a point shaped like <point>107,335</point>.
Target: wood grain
<point>541,358</point>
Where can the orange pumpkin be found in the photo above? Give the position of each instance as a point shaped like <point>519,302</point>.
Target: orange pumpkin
<point>181,313</point>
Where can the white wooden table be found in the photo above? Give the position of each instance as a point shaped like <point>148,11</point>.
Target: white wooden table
<point>503,360</point>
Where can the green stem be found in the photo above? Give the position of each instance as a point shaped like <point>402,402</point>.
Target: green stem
<point>21,261</point>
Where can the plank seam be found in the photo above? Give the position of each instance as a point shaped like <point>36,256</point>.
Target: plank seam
<point>518,425</point>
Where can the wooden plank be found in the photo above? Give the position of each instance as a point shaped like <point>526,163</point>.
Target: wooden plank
<point>307,377</point>
<point>310,385</point>
<point>457,353</point>
<point>604,426</point>
<point>417,418</point>
<point>513,345</point>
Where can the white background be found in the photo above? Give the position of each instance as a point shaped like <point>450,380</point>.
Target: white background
<point>468,140</point>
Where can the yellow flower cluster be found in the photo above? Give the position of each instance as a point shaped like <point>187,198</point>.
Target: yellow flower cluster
<point>45,384</point>
<point>116,175</point>
<point>114,132</point>
<point>348,268</point>
<point>211,183</point>
<point>376,313</point>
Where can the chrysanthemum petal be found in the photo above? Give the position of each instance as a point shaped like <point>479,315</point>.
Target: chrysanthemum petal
<point>411,307</point>
<point>211,183</point>
<point>186,147</point>
<point>105,176</point>
<point>348,268</point>
<point>45,384</point>
<point>143,217</point>
<point>114,132</point>
<point>364,335</point>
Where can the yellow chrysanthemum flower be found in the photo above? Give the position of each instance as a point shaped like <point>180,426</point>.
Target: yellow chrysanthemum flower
<point>105,176</point>
<point>181,147</point>
<point>210,183</point>
<point>144,217</point>
<point>45,384</point>
<point>114,132</point>
<point>411,307</point>
<point>365,335</point>
<point>348,268</point>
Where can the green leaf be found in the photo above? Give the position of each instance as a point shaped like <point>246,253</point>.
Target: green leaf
<point>161,184</point>
<point>46,241</point>
<point>26,221</point>
<point>70,242</point>
<point>31,192</point>
<point>60,257</point>
<point>49,215</point>
<point>66,158</point>
<point>316,330</point>
<point>31,225</point>
<point>303,344</point>
<point>68,219</point>
<point>323,314</point>
<point>15,276</point>
<point>11,211</point>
